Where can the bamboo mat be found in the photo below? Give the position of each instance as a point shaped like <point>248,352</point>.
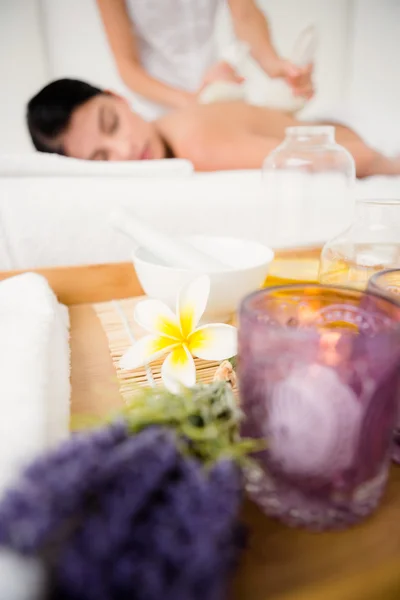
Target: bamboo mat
<point>116,318</point>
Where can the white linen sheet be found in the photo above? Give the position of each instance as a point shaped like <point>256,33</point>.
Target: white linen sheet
<point>65,221</point>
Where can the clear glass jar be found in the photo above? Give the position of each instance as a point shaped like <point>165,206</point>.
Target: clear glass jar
<point>386,283</point>
<point>308,180</point>
<point>370,245</point>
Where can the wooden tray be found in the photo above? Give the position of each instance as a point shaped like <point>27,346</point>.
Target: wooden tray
<point>362,563</point>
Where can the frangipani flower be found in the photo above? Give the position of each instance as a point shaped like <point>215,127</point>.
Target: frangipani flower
<point>178,336</point>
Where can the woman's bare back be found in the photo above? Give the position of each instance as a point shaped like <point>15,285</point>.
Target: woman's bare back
<point>236,135</point>
<point>225,116</point>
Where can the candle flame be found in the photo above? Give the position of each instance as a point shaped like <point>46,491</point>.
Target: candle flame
<point>328,343</point>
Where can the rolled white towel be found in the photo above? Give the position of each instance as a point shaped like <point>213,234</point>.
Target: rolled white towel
<point>223,91</point>
<point>52,165</point>
<point>34,372</point>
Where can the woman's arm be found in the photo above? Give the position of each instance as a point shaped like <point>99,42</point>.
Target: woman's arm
<point>119,30</point>
<point>251,26</point>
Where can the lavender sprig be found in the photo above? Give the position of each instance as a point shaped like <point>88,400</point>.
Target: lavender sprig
<point>51,488</point>
<point>147,522</point>
<point>129,511</point>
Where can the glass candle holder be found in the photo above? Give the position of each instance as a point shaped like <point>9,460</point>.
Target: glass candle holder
<point>388,283</point>
<point>319,373</point>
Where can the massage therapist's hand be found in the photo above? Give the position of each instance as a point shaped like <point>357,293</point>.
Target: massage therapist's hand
<point>298,78</point>
<point>222,71</point>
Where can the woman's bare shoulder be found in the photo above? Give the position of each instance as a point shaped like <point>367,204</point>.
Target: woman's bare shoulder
<point>187,129</point>
<point>202,121</point>
<point>199,132</point>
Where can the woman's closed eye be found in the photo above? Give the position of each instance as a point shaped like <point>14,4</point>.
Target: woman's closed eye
<point>109,120</point>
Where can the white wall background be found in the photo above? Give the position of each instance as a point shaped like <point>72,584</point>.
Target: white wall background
<point>376,59</point>
<point>375,74</point>
<point>45,39</point>
<point>23,68</point>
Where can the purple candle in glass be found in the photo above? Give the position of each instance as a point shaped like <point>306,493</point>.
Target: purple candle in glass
<point>319,376</point>
<point>387,283</point>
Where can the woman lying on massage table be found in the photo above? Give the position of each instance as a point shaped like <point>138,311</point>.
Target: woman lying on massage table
<point>75,119</point>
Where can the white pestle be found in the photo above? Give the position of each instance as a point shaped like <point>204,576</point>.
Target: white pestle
<point>168,251</point>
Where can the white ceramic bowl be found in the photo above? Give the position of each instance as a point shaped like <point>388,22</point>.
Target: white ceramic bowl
<point>249,260</point>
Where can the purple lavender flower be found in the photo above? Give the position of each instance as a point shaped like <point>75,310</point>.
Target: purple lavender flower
<point>115,516</point>
<point>51,488</point>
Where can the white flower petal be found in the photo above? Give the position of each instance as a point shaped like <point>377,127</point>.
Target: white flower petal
<point>214,342</point>
<point>192,302</point>
<point>178,370</point>
<point>145,350</point>
<point>156,317</point>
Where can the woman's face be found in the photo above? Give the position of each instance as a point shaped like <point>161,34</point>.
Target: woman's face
<point>105,128</point>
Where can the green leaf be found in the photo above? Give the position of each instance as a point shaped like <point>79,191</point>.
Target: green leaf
<point>205,419</point>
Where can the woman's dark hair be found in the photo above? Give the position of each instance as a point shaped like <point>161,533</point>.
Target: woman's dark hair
<point>49,112</point>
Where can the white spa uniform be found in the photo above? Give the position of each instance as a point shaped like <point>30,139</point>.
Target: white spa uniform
<point>176,43</point>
